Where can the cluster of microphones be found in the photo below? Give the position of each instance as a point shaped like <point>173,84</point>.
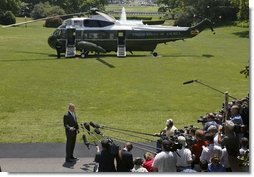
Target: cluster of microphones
<point>93,130</point>
<point>86,126</point>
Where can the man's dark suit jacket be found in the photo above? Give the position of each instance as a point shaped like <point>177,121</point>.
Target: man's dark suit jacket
<point>124,161</point>
<point>70,122</point>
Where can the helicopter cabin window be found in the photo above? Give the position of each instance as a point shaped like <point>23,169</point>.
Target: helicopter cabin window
<point>77,22</point>
<point>78,34</point>
<point>111,36</point>
<point>138,34</point>
<point>96,23</point>
<point>93,35</point>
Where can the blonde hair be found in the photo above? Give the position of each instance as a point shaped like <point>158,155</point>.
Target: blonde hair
<point>148,156</point>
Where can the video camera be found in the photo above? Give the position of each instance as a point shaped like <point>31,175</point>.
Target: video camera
<point>113,148</point>
<point>173,146</point>
<point>187,132</point>
<point>217,117</point>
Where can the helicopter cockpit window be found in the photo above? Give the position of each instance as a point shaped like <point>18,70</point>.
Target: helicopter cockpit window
<point>57,32</point>
<point>67,22</point>
<point>62,26</point>
<point>96,23</point>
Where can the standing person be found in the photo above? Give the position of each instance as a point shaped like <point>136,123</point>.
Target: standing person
<point>184,159</point>
<point>215,164</point>
<point>197,148</point>
<point>124,159</point>
<point>105,158</point>
<point>165,161</point>
<point>71,131</point>
<point>232,144</point>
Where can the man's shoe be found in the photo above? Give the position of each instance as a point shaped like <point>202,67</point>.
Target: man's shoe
<point>69,160</point>
<point>75,158</point>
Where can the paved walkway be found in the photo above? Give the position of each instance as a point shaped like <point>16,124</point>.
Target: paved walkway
<point>48,158</point>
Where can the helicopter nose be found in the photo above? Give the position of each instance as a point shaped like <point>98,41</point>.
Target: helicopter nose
<point>52,41</point>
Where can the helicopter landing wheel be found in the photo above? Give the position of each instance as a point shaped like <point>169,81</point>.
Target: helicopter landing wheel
<point>155,54</point>
<point>84,54</point>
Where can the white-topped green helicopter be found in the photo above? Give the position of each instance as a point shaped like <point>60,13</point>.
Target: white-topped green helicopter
<point>101,33</point>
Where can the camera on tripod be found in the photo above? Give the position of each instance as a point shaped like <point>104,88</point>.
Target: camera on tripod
<point>216,117</point>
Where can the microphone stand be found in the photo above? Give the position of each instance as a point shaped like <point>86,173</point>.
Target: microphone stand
<point>213,89</point>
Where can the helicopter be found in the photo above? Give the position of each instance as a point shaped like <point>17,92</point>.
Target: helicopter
<point>102,33</point>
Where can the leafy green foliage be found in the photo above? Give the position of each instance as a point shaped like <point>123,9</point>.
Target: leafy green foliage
<point>243,13</point>
<point>10,5</point>
<point>53,22</point>
<point>217,11</point>
<point>7,18</point>
<point>42,10</point>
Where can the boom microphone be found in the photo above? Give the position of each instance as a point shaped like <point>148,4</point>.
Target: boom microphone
<point>86,141</point>
<point>96,130</point>
<point>87,127</point>
<point>94,125</point>
<point>188,82</point>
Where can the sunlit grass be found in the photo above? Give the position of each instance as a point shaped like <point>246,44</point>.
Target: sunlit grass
<point>138,92</point>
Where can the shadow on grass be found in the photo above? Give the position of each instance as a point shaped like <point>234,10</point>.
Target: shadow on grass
<point>105,63</point>
<point>242,34</point>
<point>53,57</point>
<point>189,56</point>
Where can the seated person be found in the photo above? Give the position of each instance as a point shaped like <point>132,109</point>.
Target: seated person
<point>138,165</point>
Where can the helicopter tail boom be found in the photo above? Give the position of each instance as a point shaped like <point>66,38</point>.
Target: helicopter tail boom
<point>206,23</point>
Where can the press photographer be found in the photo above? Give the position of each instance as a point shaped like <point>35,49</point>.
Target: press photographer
<point>208,120</point>
<point>105,157</point>
<point>167,133</point>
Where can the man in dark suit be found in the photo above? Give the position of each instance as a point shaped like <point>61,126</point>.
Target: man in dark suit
<point>71,131</point>
<point>124,159</point>
<point>105,158</point>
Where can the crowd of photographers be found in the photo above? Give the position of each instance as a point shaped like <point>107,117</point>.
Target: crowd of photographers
<point>221,145</point>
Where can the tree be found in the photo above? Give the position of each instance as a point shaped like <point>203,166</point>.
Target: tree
<point>42,10</point>
<point>99,4</point>
<point>243,13</point>
<point>10,5</point>
<point>216,10</point>
<point>8,18</point>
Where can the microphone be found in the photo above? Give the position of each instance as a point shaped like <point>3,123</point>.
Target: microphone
<point>96,130</point>
<point>94,125</point>
<point>188,82</point>
<point>87,127</point>
<point>86,141</point>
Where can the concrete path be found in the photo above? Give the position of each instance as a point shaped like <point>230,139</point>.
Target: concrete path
<point>48,158</point>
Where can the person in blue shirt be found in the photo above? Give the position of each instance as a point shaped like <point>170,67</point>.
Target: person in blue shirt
<point>215,165</point>
<point>235,115</point>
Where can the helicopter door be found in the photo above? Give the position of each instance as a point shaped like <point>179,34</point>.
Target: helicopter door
<point>70,43</point>
<point>121,44</point>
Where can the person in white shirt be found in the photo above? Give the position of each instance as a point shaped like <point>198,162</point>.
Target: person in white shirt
<point>210,151</point>
<point>165,161</point>
<point>184,157</point>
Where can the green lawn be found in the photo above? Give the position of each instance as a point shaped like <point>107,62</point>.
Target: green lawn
<point>138,92</point>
